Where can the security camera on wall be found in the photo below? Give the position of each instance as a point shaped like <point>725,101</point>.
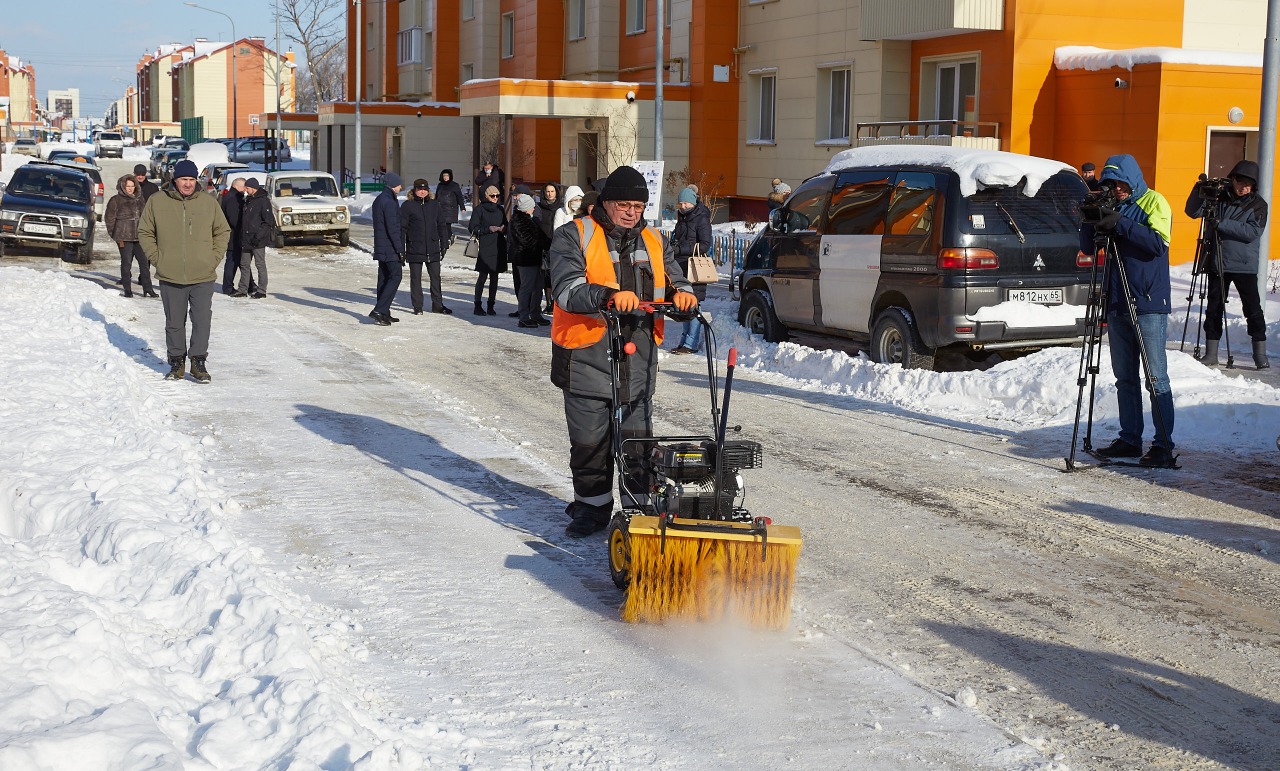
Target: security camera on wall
<point>631,97</point>
<point>1121,83</point>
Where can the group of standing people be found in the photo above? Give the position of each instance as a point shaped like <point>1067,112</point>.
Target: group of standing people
<point>253,227</point>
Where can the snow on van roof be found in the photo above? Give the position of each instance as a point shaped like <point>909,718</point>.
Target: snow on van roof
<point>1094,59</point>
<point>976,168</point>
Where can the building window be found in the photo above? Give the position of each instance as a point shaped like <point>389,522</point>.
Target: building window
<point>409,46</point>
<point>468,72</point>
<point>834,89</point>
<point>468,9</point>
<point>760,107</point>
<point>666,13</point>
<point>955,87</point>
<point>427,50</point>
<point>635,16</point>
<point>577,19</point>
<point>508,35</point>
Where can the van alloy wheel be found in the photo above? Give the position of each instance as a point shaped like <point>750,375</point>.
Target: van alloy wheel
<point>894,340</point>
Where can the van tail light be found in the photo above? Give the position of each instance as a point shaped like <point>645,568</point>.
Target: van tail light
<point>100,189</point>
<point>1089,260</point>
<point>967,259</point>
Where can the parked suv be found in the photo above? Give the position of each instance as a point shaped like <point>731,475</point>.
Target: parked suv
<point>913,249</point>
<point>257,150</point>
<point>49,204</point>
<point>107,144</point>
<point>307,203</point>
<point>26,146</point>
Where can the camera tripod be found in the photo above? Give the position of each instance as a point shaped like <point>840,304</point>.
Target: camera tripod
<point>1091,352</point>
<point>1208,247</point>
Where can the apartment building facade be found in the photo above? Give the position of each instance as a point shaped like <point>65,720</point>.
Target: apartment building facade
<point>18,85</point>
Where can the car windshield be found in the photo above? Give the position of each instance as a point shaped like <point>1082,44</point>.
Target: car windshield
<point>306,186</point>
<point>26,141</point>
<point>49,184</point>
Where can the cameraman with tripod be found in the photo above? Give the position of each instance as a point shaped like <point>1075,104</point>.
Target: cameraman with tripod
<point>1234,218</point>
<point>1133,231</point>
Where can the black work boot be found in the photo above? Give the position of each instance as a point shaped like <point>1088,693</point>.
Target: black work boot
<point>1210,358</point>
<point>198,371</point>
<point>177,368</point>
<point>1260,359</point>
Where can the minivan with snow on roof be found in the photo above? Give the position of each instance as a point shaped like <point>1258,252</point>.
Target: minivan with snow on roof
<point>915,249</point>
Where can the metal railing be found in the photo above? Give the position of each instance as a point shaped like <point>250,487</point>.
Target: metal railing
<point>916,129</point>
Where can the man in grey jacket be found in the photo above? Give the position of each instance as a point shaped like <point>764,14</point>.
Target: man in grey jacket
<point>608,258</point>
<point>184,234</point>
<point>1238,222</point>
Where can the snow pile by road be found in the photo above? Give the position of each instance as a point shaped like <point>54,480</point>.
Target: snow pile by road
<point>137,629</point>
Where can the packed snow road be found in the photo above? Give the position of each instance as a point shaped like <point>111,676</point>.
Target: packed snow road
<point>962,603</point>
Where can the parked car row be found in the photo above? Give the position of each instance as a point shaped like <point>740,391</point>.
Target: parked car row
<point>51,203</point>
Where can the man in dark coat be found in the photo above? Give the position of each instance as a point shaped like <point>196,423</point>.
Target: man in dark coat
<point>232,204</point>
<point>388,247</point>
<point>449,197</point>
<point>1088,174</point>
<point>610,256</point>
<point>425,234</point>
<point>1238,222</point>
<point>147,187</point>
<point>257,230</point>
<point>491,174</point>
<point>529,242</point>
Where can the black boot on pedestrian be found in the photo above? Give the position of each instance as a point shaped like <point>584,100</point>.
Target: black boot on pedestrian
<point>493,311</point>
<point>149,293</point>
<point>177,368</point>
<point>479,311</point>
<point>1260,359</point>
<point>1119,449</point>
<point>1210,358</point>
<point>198,371</point>
<point>1157,457</point>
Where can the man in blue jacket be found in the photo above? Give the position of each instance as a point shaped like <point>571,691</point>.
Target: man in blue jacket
<point>388,247</point>
<point>1238,221</point>
<point>1139,228</point>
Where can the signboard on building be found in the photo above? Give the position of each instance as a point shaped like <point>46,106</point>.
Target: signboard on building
<point>652,172</point>
<point>253,119</point>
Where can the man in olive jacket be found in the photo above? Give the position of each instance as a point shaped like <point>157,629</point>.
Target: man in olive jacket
<point>185,235</point>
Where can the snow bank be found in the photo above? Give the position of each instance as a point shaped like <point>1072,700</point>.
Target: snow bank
<point>139,632</point>
<point>1094,59</point>
<point>976,168</point>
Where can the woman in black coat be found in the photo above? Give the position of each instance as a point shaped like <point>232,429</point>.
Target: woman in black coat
<point>530,244</point>
<point>693,229</point>
<point>449,197</point>
<point>489,224</point>
<point>425,235</point>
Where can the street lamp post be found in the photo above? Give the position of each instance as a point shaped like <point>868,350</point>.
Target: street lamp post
<point>235,43</point>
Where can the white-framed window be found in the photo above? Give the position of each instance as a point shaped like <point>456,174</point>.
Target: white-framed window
<point>835,88</point>
<point>761,102</point>
<point>409,46</point>
<point>956,91</point>
<point>467,72</point>
<point>428,50</point>
<point>577,19</point>
<point>666,13</point>
<point>635,16</point>
<point>468,9</point>
<point>508,35</point>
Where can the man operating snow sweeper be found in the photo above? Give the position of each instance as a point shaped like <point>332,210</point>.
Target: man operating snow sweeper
<point>608,257</point>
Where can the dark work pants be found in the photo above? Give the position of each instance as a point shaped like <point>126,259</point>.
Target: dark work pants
<point>132,250</point>
<point>529,293</point>
<point>1250,305</point>
<point>181,301</point>
<point>492,278</point>
<point>389,275</point>
<point>257,259</point>
<point>591,451</point>
<point>415,285</point>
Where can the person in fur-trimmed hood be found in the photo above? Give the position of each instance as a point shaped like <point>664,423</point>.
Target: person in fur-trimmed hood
<point>124,210</point>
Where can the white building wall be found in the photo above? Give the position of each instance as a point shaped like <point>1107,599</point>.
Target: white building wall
<point>1224,25</point>
<point>478,40</point>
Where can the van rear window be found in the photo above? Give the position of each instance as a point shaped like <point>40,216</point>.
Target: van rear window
<point>1054,209</point>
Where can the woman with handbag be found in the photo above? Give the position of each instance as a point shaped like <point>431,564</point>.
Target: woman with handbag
<point>488,227</point>
<point>691,242</point>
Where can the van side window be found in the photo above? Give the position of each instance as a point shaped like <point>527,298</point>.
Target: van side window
<point>914,200</point>
<point>859,203</point>
<point>806,206</point>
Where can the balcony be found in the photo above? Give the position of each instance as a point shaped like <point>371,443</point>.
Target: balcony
<point>921,19</point>
<point>945,133</point>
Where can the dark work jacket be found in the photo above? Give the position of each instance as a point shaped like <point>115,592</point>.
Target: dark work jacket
<point>449,197</point>
<point>257,223</point>
<point>232,204</point>
<point>692,227</point>
<point>493,246</point>
<point>528,240</point>
<point>497,178</point>
<point>1138,241</point>
<point>388,238</point>
<point>148,189</point>
<point>1240,224</point>
<point>423,230</point>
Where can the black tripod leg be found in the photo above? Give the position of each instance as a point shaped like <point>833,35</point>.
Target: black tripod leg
<point>1090,357</point>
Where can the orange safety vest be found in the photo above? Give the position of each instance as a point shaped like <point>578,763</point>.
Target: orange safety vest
<point>580,330</point>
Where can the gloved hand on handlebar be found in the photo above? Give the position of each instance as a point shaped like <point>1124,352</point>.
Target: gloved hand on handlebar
<point>684,301</point>
<point>625,302</point>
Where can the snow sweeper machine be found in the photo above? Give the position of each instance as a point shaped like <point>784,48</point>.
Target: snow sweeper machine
<point>683,546</point>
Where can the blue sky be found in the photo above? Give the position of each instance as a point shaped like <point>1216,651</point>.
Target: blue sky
<point>94,46</point>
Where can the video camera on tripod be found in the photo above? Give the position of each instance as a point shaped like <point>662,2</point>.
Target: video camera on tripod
<point>1095,202</point>
<point>1214,189</point>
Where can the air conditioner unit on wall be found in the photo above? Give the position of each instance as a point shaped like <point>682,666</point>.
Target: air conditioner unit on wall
<point>397,131</point>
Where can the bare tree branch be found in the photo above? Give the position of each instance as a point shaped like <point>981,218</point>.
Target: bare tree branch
<point>317,26</point>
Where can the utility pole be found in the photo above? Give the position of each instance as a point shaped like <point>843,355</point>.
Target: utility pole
<point>661,76</point>
<point>1267,133</point>
<point>359,90</point>
<point>279,86</point>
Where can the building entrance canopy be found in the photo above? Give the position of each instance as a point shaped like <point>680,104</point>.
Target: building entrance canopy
<point>520,98</point>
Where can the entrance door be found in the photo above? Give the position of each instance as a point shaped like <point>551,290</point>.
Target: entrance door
<point>1226,148</point>
<point>588,161</point>
<point>396,152</point>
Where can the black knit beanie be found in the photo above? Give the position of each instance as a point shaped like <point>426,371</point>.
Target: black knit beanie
<point>625,184</point>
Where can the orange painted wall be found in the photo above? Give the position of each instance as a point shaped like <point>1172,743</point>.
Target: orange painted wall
<point>713,107</point>
<point>445,67</point>
<point>538,45</point>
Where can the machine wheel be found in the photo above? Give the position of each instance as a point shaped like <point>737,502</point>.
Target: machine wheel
<point>894,341</point>
<point>278,240</point>
<point>344,238</point>
<point>619,541</point>
<point>755,312</point>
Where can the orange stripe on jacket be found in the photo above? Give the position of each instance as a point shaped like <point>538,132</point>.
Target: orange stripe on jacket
<point>580,330</point>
